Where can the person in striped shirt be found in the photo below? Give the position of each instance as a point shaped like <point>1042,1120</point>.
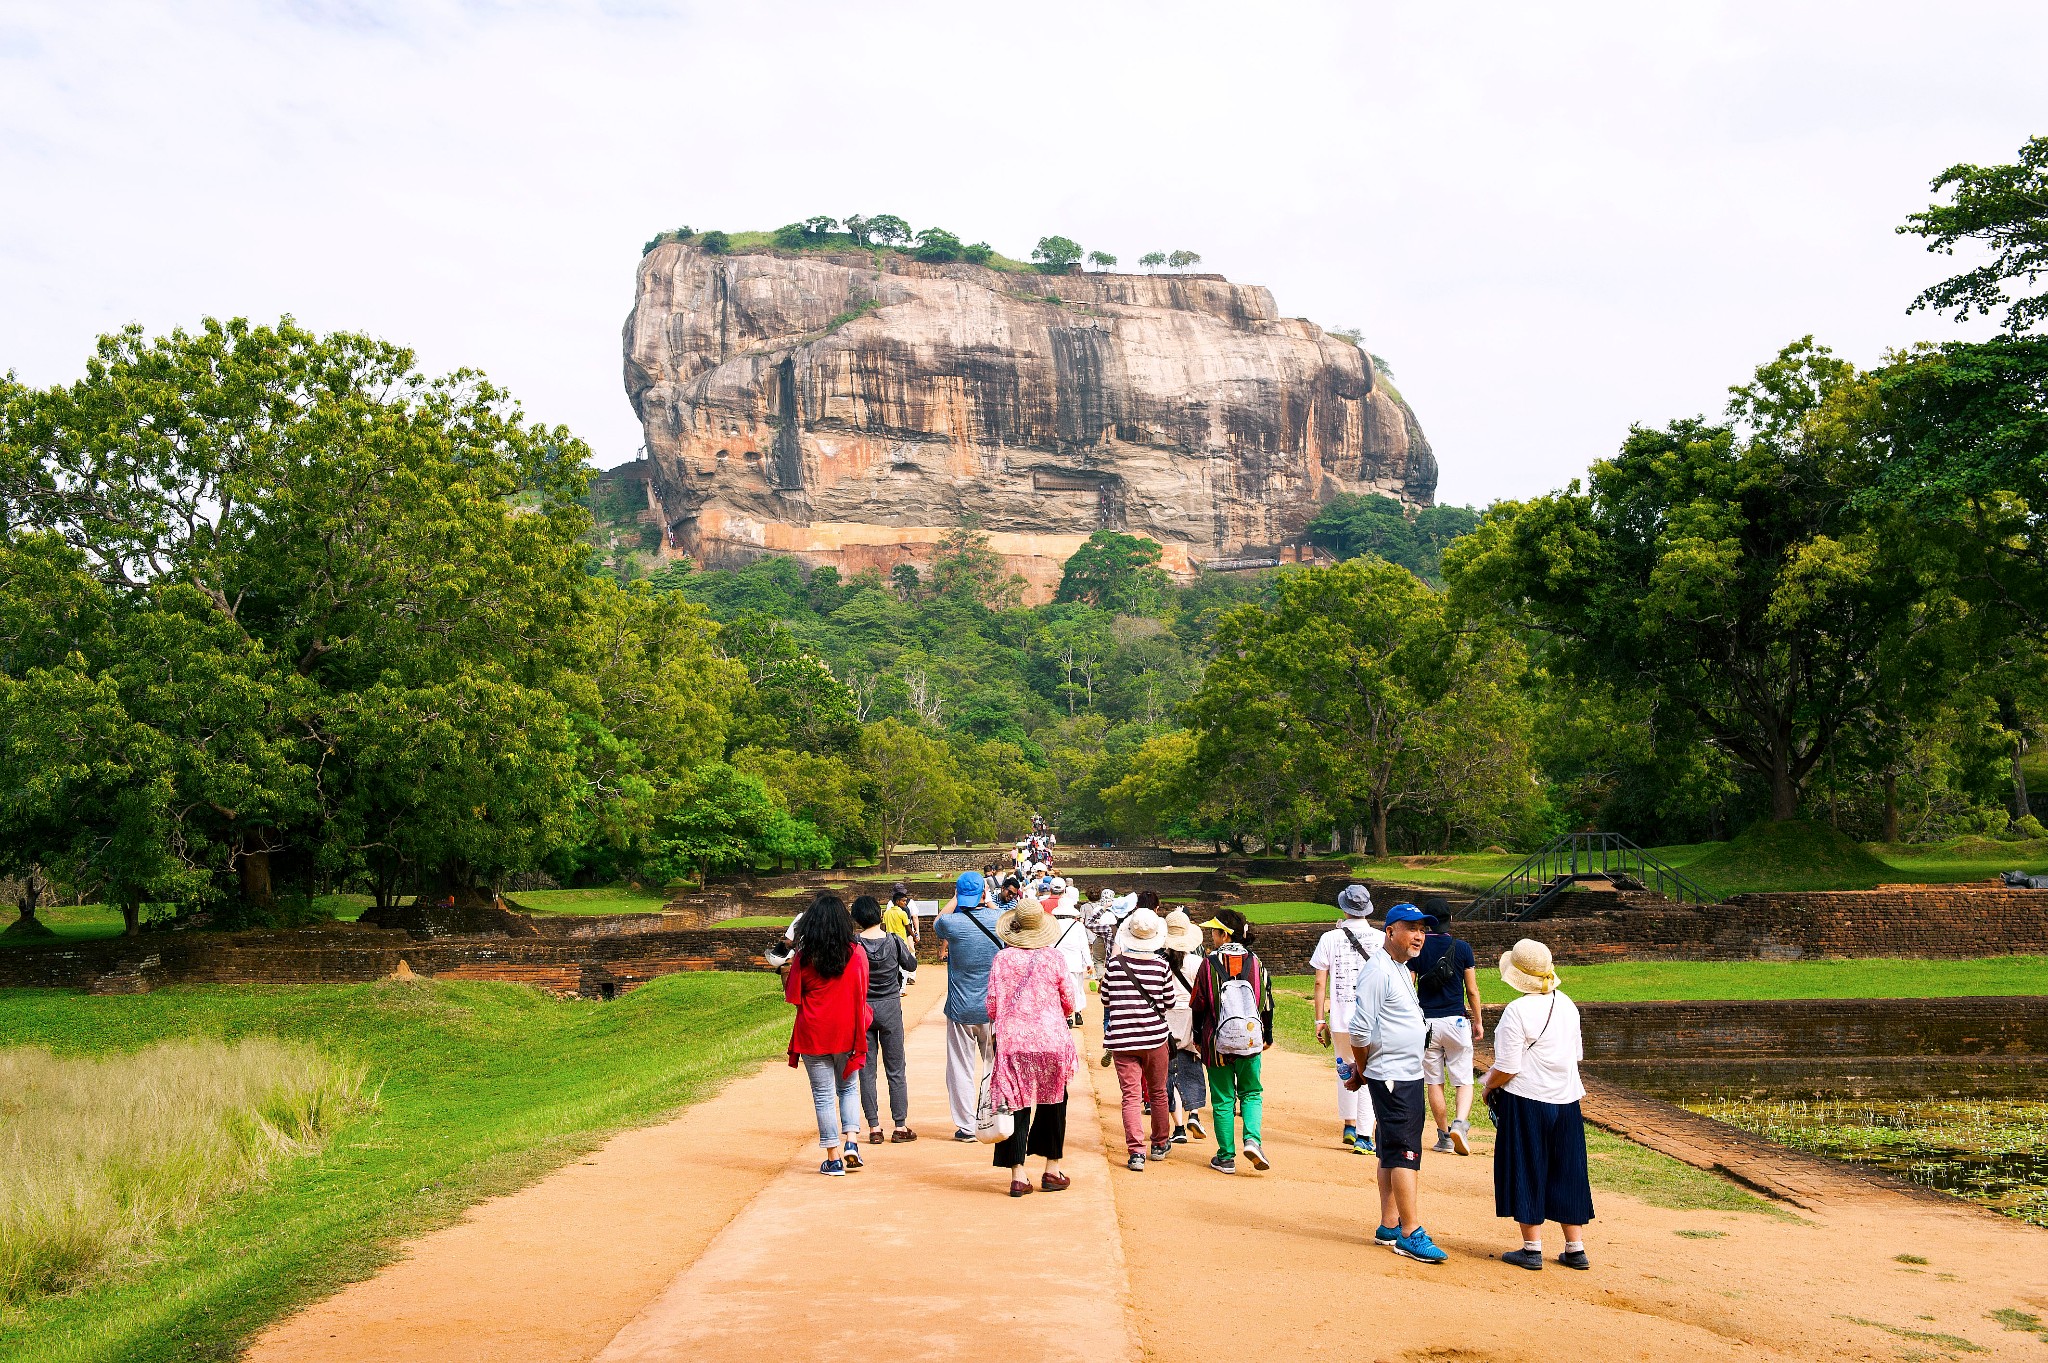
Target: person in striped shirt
<point>1137,991</point>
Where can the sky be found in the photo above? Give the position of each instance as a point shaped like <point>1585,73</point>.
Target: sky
<point>1551,220</point>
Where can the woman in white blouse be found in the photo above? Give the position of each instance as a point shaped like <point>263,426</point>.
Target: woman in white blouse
<point>1533,1091</point>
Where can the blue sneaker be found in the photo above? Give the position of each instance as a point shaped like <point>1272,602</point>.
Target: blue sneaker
<point>1350,1133</point>
<point>1386,1235</point>
<point>836,1168</point>
<point>1361,1144</point>
<point>1418,1245</point>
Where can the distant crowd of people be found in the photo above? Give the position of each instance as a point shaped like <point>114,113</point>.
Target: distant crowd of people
<point>1187,1015</point>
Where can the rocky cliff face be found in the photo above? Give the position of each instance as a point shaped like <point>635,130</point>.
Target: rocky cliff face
<point>851,409</point>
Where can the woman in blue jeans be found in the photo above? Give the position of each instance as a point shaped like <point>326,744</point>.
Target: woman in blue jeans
<point>827,980</point>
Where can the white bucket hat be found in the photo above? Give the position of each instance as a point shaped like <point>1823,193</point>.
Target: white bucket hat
<point>1181,932</point>
<point>1142,932</point>
<point>1526,967</point>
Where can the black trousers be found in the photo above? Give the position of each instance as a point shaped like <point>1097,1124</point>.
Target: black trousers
<point>1041,1130</point>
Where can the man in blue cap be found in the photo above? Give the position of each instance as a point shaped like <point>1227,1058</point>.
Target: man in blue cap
<point>1388,1033</point>
<point>967,927</point>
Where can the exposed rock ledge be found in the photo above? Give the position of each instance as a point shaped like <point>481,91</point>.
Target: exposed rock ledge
<point>852,408</point>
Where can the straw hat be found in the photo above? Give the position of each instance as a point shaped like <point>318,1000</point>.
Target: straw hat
<point>1526,967</point>
<point>1028,925</point>
<point>1141,932</point>
<point>1181,932</point>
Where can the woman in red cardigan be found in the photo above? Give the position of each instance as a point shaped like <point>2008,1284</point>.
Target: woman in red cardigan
<point>827,980</point>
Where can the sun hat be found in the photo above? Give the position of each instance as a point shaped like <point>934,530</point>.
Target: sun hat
<point>1141,932</point>
<point>1059,884</point>
<point>1408,913</point>
<point>1355,901</point>
<point>1526,967</point>
<point>898,891</point>
<point>1181,933</point>
<point>969,889</point>
<point>1028,925</point>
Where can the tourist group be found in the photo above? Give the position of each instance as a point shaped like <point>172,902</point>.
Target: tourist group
<point>1187,1013</point>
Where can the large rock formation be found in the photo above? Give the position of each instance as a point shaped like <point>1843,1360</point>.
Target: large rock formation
<point>852,408</point>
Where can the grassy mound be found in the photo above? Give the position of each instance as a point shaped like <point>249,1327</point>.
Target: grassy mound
<point>1795,855</point>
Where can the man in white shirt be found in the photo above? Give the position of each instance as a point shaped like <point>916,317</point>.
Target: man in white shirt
<point>1340,955</point>
<point>1388,1033</point>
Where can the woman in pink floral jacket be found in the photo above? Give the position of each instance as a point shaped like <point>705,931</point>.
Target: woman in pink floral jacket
<point>1030,999</point>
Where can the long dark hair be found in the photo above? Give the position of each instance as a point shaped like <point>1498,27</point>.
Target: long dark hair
<point>824,936</point>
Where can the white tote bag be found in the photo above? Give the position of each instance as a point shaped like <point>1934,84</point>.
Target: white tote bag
<point>990,1126</point>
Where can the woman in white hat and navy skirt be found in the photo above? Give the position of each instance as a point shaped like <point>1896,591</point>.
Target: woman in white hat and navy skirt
<point>1533,1091</point>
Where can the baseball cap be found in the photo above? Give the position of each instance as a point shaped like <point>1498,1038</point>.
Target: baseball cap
<point>969,889</point>
<point>1408,913</point>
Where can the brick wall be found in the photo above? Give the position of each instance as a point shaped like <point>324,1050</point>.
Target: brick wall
<point>1822,1048</point>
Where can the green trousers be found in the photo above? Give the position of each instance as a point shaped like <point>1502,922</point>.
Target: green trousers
<point>1234,1087</point>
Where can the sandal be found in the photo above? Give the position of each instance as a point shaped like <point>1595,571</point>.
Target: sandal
<point>901,1135</point>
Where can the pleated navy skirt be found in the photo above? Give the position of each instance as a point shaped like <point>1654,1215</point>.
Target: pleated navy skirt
<point>1539,1162</point>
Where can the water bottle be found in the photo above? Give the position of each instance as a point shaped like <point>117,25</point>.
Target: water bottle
<point>1343,1070</point>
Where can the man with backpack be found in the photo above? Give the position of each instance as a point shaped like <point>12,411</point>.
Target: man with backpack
<point>1340,954</point>
<point>1232,1002</point>
<point>967,928</point>
<point>1447,987</point>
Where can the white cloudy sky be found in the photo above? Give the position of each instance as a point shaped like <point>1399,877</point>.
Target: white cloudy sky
<point>1552,219</point>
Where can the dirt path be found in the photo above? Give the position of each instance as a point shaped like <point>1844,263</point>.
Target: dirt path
<point>1293,1245</point>
<point>712,1237</point>
<point>919,1256</point>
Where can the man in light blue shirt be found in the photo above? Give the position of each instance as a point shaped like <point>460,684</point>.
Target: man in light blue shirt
<point>1388,1032</point>
<point>967,926</point>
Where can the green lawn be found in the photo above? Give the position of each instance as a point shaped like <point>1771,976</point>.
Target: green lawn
<point>1291,911</point>
<point>484,1087</point>
<point>604,899</point>
<point>755,921</point>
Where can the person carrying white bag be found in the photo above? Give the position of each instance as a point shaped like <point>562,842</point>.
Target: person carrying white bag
<point>1030,999</point>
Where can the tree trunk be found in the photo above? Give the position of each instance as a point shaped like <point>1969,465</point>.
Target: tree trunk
<point>256,879</point>
<point>1379,828</point>
<point>31,894</point>
<point>131,920</point>
<point>1784,792</point>
<point>2020,808</point>
<point>1891,807</point>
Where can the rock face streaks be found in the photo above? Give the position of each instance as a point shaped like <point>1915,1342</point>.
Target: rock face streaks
<point>851,409</point>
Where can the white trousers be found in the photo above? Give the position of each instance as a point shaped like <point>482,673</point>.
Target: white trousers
<point>967,1048</point>
<point>1349,1101</point>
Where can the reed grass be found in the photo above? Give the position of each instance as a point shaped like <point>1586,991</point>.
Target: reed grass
<point>99,1156</point>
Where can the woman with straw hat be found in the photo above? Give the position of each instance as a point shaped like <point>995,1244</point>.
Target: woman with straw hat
<point>1030,998</point>
<point>1533,1091</point>
<point>1137,989</point>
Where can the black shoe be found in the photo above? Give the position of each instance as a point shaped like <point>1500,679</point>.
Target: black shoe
<point>1136,1164</point>
<point>1575,1258</point>
<point>1160,1151</point>
<point>1524,1258</point>
<point>963,1134</point>
<point>1180,1135</point>
<point>1223,1164</point>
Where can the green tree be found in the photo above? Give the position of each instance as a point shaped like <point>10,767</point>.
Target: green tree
<point>1152,260</point>
<point>722,818</point>
<point>936,245</point>
<point>1733,578</point>
<point>977,253</point>
<point>888,229</point>
<point>1350,524</point>
<point>816,229</point>
<point>825,790</point>
<point>1102,260</point>
<point>714,243</point>
<point>1181,260</point>
<point>914,791</point>
<point>1056,255</point>
<point>1115,571</point>
<point>2004,211</point>
<point>791,237</point>
<point>859,228</point>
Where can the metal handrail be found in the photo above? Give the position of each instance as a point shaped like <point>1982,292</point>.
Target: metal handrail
<point>1542,876</point>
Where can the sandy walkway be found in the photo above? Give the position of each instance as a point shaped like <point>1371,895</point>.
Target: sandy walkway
<point>713,1237</point>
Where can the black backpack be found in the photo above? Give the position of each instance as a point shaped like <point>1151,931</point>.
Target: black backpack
<point>1444,976</point>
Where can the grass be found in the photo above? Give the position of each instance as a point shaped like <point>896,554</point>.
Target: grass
<point>1796,855</point>
<point>482,1087</point>
<point>602,900</point>
<point>755,921</point>
<point>101,1155</point>
<point>1292,911</point>
<point>1951,1343</point>
<point>1872,978</point>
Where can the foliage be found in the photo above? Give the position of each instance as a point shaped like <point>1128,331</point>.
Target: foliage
<point>1181,260</point>
<point>1152,260</point>
<point>1115,571</point>
<point>1734,579</point>
<point>1056,255</point>
<point>977,253</point>
<point>1351,524</point>
<point>917,793</point>
<point>1789,855</point>
<point>714,243</point>
<point>936,244</point>
<point>1101,260</point>
<point>2003,209</point>
<point>888,229</point>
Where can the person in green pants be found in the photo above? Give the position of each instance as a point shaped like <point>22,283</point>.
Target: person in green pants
<point>1232,1002</point>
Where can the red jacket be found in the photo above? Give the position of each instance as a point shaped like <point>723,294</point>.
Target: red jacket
<point>831,1015</point>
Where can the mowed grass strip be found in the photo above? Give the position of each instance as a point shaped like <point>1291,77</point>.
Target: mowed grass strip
<point>481,1089</point>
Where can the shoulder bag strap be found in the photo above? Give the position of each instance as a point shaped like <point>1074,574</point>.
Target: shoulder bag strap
<point>1352,938</point>
<point>1157,1011</point>
<point>982,930</point>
